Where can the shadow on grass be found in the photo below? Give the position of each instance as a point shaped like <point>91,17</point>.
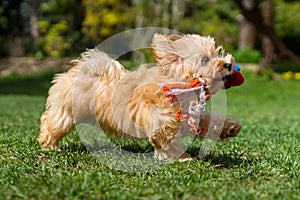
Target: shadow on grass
<point>74,144</point>
<point>227,161</point>
<point>222,160</point>
<point>74,147</point>
<point>33,84</point>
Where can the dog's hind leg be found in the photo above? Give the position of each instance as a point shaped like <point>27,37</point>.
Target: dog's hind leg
<point>52,130</point>
<point>58,120</point>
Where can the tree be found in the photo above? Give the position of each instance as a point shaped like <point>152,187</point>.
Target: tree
<point>33,19</point>
<point>59,24</point>
<point>13,30</point>
<point>104,18</point>
<point>247,33</point>
<point>216,18</point>
<point>269,54</point>
<point>254,15</point>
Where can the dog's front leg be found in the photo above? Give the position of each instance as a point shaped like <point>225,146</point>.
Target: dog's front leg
<point>173,150</point>
<point>166,148</point>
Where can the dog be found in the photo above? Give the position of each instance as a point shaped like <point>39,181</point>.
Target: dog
<point>132,102</point>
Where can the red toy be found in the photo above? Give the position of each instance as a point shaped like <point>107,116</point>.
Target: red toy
<point>180,92</point>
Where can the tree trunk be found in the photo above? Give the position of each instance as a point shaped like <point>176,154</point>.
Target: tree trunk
<point>247,30</point>
<point>177,12</point>
<point>269,54</point>
<point>15,41</point>
<point>254,16</point>
<point>15,46</point>
<point>33,20</point>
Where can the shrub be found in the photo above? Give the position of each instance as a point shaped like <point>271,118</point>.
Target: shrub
<point>247,55</point>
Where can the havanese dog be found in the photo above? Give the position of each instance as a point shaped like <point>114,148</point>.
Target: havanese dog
<point>148,102</point>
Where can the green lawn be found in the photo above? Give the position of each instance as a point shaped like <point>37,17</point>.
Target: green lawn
<point>263,162</point>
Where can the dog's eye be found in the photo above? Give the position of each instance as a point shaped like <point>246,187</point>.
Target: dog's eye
<point>204,60</point>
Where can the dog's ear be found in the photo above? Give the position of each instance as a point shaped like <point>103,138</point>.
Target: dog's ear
<point>170,49</point>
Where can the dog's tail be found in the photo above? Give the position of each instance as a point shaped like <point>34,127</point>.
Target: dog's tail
<point>97,63</point>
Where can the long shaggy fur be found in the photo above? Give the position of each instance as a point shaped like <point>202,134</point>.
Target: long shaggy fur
<point>131,103</point>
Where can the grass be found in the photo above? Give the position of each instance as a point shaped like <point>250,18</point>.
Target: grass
<point>261,163</point>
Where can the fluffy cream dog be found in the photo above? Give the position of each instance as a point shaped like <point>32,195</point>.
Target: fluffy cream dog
<point>132,103</point>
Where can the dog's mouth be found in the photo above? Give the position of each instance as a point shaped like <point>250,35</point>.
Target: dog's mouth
<point>223,73</point>
<point>220,79</point>
<point>235,78</point>
<point>225,78</point>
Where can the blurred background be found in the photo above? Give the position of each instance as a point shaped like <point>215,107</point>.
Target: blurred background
<point>264,34</point>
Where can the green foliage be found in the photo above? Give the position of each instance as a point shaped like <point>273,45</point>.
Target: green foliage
<point>54,39</point>
<point>284,66</point>
<point>3,19</point>
<point>261,163</point>
<point>43,26</point>
<point>268,74</point>
<point>59,28</point>
<point>247,55</point>
<point>55,42</point>
<point>90,22</point>
<point>215,18</point>
<point>287,16</point>
<point>102,17</point>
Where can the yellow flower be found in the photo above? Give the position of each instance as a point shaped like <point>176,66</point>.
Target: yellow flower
<point>297,76</point>
<point>287,75</point>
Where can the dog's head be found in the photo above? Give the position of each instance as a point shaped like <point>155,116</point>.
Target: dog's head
<point>192,56</point>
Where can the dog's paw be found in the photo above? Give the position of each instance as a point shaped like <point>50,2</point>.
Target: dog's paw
<point>186,158</point>
<point>230,129</point>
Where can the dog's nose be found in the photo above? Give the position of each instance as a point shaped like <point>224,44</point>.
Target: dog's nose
<point>228,66</point>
